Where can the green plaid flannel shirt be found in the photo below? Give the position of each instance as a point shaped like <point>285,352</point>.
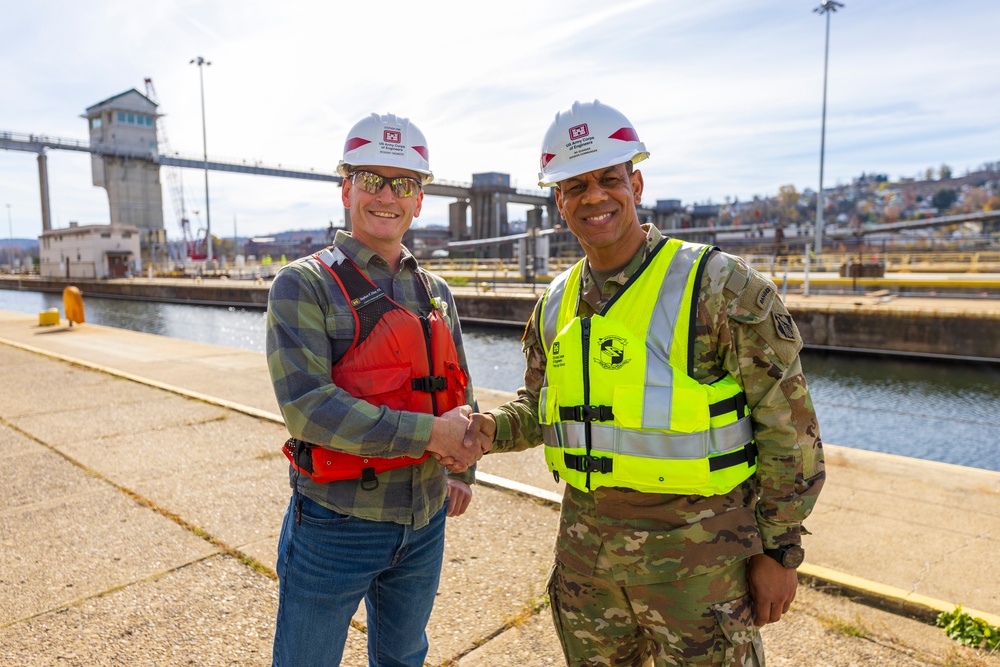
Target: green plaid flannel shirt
<point>309,325</point>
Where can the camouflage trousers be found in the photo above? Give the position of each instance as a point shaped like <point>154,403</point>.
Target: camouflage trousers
<point>705,620</point>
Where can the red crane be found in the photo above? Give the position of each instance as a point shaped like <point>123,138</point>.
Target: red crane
<point>194,248</point>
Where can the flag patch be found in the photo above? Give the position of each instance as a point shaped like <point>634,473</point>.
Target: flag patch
<point>784,326</point>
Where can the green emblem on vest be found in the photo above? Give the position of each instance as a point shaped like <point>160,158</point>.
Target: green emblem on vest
<point>558,359</point>
<point>612,352</point>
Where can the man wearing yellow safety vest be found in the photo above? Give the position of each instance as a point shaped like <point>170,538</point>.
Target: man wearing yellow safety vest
<point>664,379</point>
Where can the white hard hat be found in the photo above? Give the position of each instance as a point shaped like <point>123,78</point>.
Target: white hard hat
<point>589,136</point>
<point>386,141</point>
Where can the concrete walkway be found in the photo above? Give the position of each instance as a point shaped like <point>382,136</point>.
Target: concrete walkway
<point>145,490</point>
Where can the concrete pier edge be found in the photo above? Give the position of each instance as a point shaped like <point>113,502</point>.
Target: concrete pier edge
<point>888,598</point>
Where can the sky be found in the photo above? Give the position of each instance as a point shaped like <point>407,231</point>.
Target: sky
<point>726,95</point>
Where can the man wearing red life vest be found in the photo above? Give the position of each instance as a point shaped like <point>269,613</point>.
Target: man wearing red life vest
<point>365,354</point>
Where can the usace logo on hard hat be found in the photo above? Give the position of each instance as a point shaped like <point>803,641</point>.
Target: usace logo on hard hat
<point>579,131</point>
<point>392,136</point>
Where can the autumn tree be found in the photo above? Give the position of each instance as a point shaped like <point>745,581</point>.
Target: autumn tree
<point>788,201</point>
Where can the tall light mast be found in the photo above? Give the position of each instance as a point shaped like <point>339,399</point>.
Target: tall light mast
<point>826,7</point>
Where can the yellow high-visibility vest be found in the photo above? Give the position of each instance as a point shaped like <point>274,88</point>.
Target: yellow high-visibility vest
<point>618,407</point>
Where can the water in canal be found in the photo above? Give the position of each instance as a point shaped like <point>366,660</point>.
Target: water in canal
<point>941,411</point>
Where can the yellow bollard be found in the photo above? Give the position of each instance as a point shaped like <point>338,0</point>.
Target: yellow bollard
<point>48,318</point>
<point>73,305</point>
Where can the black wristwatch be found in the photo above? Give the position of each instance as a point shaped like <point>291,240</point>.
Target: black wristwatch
<point>790,557</point>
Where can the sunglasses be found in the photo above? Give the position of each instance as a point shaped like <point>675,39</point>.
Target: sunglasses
<point>401,186</point>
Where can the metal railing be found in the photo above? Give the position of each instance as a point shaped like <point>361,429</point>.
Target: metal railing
<point>894,262</point>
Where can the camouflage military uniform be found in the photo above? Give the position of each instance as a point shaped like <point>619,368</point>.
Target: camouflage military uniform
<point>671,568</point>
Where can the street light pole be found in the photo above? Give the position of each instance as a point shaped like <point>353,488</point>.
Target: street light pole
<point>201,62</point>
<point>10,248</point>
<point>826,7</point>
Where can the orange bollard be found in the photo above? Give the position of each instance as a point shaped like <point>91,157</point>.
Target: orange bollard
<point>73,305</point>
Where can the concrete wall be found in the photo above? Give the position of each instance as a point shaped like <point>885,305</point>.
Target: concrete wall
<point>920,332</point>
<point>966,334</point>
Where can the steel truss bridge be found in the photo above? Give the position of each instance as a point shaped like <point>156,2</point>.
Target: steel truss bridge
<point>488,201</point>
<point>489,221</point>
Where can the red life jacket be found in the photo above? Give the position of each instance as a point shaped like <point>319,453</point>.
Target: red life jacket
<point>397,359</point>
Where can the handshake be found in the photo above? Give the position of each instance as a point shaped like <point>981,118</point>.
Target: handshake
<point>460,437</point>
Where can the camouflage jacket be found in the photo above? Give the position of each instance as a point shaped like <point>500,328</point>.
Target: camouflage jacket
<point>742,328</point>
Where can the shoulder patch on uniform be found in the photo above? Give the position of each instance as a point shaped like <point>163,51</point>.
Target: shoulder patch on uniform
<point>737,280</point>
<point>754,302</point>
<point>783,325</point>
<point>762,295</point>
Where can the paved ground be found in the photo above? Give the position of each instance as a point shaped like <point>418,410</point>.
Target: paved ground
<point>144,493</point>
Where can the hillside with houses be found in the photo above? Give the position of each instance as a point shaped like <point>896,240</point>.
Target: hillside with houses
<point>872,199</point>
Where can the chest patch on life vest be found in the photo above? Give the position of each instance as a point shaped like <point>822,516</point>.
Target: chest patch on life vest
<point>612,354</point>
<point>365,299</point>
<point>783,325</point>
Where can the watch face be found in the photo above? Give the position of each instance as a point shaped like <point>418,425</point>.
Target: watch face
<point>793,557</point>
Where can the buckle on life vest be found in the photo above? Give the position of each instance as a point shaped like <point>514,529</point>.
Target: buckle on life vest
<point>300,454</point>
<point>429,383</point>
<point>369,481</point>
<point>584,463</point>
<point>586,413</point>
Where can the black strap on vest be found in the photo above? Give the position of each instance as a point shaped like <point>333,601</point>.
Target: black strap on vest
<point>584,463</point>
<point>735,404</point>
<point>429,383</point>
<point>746,455</point>
<point>602,464</point>
<point>586,413</point>
<point>367,299</point>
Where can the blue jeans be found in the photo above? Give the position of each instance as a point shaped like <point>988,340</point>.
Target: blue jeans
<point>329,561</point>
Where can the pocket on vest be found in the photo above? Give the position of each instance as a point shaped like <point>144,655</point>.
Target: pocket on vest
<point>387,385</point>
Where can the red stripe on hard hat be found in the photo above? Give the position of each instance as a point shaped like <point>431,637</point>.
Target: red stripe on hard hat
<point>547,157</point>
<point>355,142</point>
<point>625,134</point>
<point>423,152</point>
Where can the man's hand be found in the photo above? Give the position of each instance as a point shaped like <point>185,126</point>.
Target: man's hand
<point>772,588</point>
<point>447,436</point>
<point>459,497</point>
<point>482,432</point>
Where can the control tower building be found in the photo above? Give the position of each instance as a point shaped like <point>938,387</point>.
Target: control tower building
<point>125,125</point>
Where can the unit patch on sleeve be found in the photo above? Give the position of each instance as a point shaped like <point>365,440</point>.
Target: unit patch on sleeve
<point>783,325</point>
<point>762,296</point>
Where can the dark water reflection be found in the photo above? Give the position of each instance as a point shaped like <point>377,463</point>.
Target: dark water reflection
<point>941,411</point>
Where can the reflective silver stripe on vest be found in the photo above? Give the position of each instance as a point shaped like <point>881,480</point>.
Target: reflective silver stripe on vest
<point>658,398</point>
<point>552,306</point>
<point>553,297</point>
<point>650,444</point>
